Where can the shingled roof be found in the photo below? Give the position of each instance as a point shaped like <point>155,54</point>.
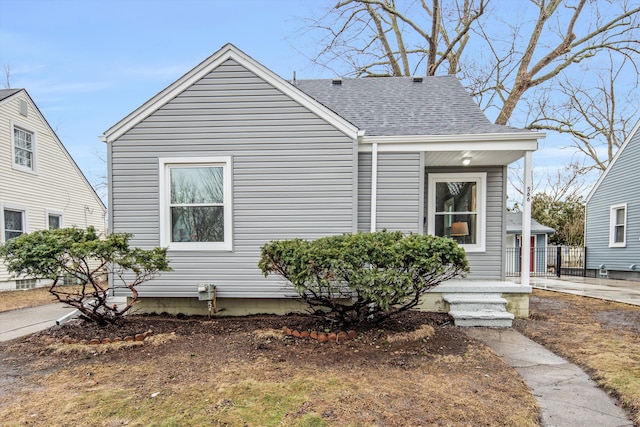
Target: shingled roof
<point>5,93</point>
<point>388,106</point>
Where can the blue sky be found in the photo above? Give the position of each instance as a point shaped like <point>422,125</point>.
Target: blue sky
<point>89,63</point>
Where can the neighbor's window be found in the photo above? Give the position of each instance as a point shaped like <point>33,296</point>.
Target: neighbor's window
<point>14,223</point>
<point>196,203</point>
<point>23,149</point>
<point>456,206</point>
<point>618,226</point>
<point>26,283</point>
<point>54,221</point>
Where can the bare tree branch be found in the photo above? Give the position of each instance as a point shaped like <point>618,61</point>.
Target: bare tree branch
<point>7,76</point>
<point>593,115</point>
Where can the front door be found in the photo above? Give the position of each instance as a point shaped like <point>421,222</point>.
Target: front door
<point>532,253</point>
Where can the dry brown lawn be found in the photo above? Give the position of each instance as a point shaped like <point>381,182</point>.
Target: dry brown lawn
<point>416,371</point>
<point>231,372</point>
<point>602,337</point>
<point>12,300</point>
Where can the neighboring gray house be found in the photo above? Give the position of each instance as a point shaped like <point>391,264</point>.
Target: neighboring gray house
<point>231,156</point>
<point>538,262</point>
<point>612,223</point>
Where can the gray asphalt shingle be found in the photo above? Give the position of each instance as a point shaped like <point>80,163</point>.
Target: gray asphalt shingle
<point>514,225</point>
<point>387,106</point>
<point>5,93</point>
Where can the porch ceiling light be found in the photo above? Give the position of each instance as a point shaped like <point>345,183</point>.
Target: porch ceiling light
<point>466,161</point>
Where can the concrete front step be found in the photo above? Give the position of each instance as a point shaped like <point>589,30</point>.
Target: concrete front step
<point>490,319</point>
<point>476,302</point>
<point>473,297</point>
<point>479,309</point>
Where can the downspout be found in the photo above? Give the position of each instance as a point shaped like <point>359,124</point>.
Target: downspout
<point>374,185</point>
<point>526,221</point>
<point>109,201</point>
<point>109,186</point>
<point>356,180</point>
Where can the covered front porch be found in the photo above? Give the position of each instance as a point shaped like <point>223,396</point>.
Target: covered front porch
<point>461,194</point>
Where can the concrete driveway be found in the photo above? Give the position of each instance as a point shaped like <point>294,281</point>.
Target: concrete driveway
<point>626,291</point>
<point>17,323</point>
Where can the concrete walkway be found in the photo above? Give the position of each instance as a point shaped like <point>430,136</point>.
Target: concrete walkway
<point>626,291</point>
<point>566,395</point>
<point>17,323</point>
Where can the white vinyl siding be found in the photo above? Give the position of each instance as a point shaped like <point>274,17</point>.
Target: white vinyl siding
<point>58,186</point>
<point>618,226</point>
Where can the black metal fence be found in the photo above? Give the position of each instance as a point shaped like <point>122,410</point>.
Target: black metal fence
<point>548,262</point>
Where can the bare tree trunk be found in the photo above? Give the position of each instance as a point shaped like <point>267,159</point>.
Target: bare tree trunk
<point>433,41</point>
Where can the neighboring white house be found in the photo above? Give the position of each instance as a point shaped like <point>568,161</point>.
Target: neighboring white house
<point>40,184</point>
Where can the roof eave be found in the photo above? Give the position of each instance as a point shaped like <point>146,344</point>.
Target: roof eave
<point>453,138</point>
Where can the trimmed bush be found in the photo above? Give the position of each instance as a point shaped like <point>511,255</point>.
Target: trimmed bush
<point>364,277</point>
<point>86,259</point>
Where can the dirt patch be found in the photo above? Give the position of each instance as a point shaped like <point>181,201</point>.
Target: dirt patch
<point>417,369</point>
<point>619,320</point>
<point>244,338</point>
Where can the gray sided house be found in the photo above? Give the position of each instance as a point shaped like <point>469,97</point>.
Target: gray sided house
<point>231,156</point>
<point>612,223</point>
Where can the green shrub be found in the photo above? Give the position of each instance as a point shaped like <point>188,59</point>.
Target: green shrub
<point>86,259</point>
<point>364,276</point>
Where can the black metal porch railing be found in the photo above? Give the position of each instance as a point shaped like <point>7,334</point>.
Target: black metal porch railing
<point>548,262</point>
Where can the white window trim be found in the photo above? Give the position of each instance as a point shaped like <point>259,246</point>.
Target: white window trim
<point>481,179</point>
<point>17,208</point>
<point>165,188</point>
<point>34,149</point>
<point>48,212</point>
<point>612,226</point>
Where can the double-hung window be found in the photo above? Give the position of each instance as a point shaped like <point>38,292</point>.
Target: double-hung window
<point>54,220</point>
<point>13,223</point>
<point>24,149</point>
<point>456,208</point>
<point>618,226</point>
<point>195,203</point>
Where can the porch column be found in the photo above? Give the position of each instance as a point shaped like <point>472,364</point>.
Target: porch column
<point>526,220</point>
